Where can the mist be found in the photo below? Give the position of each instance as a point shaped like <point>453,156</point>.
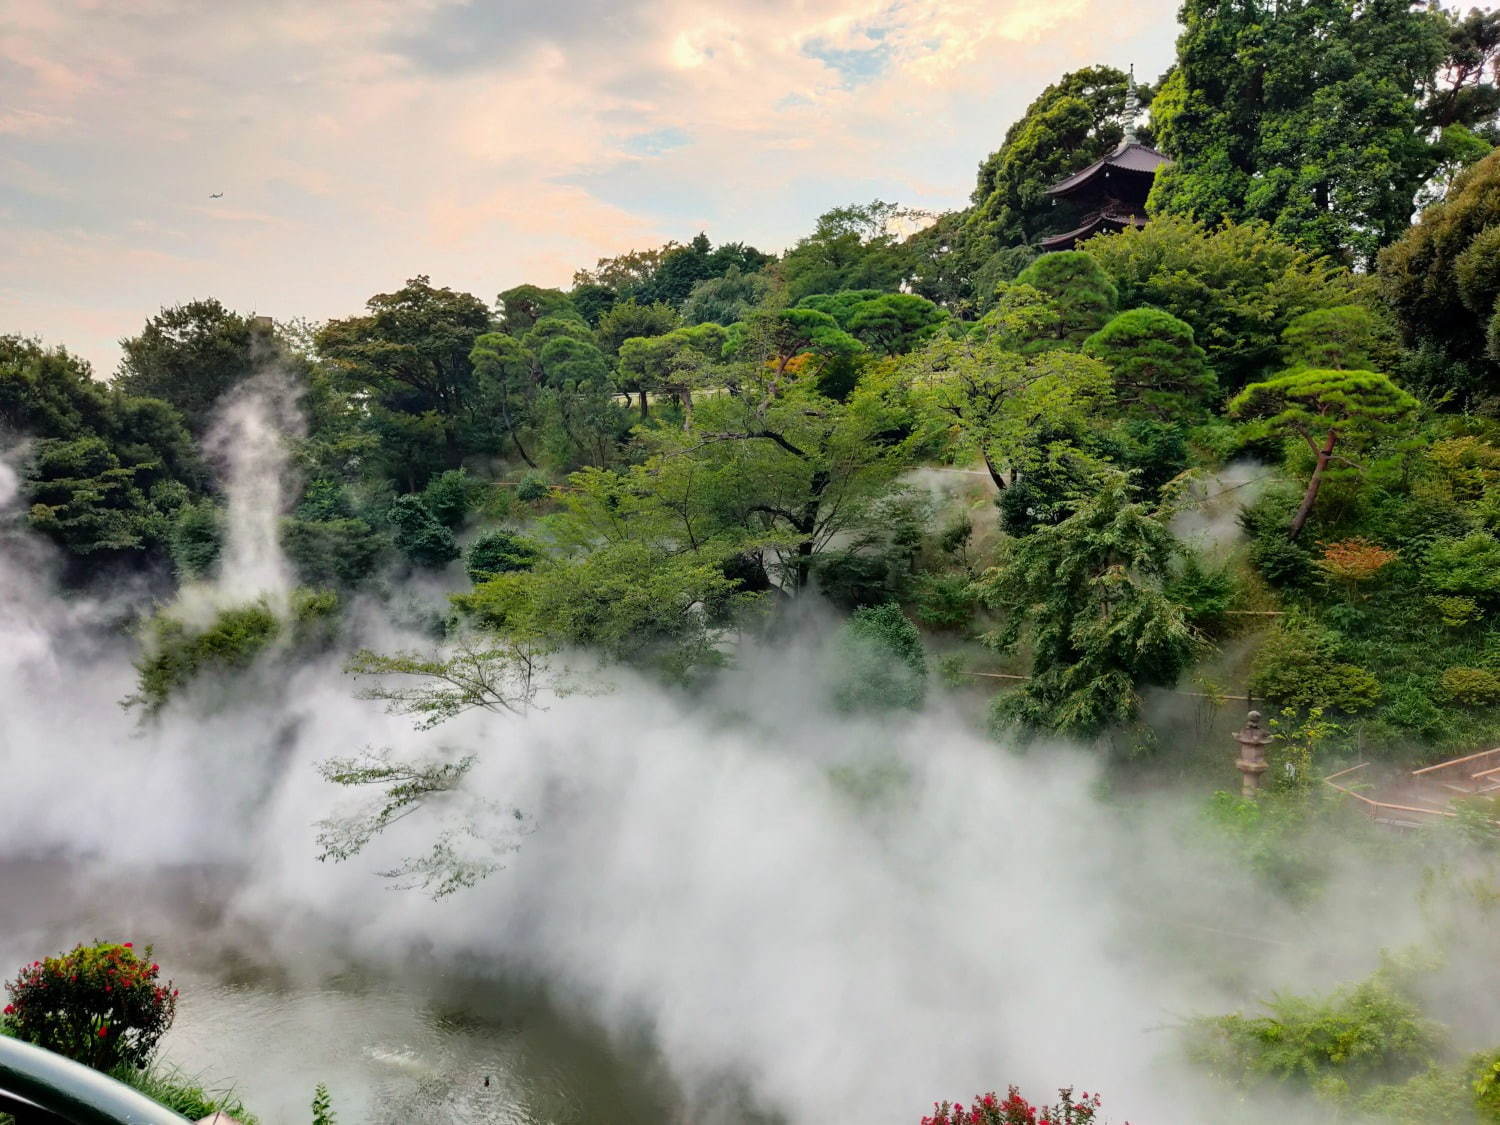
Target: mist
<point>699,870</point>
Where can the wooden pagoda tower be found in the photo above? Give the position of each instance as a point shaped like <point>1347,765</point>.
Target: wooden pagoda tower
<point>1110,194</point>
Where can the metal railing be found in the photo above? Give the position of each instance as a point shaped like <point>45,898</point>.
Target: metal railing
<point>40,1088</point>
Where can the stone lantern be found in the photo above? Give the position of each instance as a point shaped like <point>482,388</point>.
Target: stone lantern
<point>1253,740</point>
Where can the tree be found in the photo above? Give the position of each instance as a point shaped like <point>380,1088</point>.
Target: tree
<point>505,385</point>
<point>1088,592</point>
<point>1157,367</point>
<point>726,299</point>
<point>886,323</point>
<point>775,338</point>
<point>1004,407</point>
<point>498,552</point>
<point>189,355</point>
<point>422,539</point>
<point>411,356</point>
<point>1327,410</point>
<point>851,247</point>
<point>1346,338</point>
<point>676,363</point>
<point>877,662</point>
<point>1308,115</point>
<point>629,319</point>
<point>107,472</point>
<point>520,308</point>
<point>1079,298</point>
<point>1443,285</point>
<point>1238,286</point>
<point>1072,123</point>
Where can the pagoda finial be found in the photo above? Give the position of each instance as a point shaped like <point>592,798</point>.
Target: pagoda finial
<point>1132,110</point>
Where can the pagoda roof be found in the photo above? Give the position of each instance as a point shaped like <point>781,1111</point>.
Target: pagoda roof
<point>1128,156</point>
<point>1094,224</point>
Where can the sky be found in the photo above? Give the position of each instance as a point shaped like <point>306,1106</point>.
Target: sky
<point>358,143</point>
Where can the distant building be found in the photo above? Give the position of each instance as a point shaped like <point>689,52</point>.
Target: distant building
<point>1110,194</point>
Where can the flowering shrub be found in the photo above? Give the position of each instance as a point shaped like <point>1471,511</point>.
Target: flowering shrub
<point>100,1004</point>
<point>1013,1109</point>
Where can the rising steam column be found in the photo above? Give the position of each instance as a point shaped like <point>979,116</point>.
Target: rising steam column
<point>1253,740</point>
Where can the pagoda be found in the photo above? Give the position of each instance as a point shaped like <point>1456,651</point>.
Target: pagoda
<point>1110,194</point>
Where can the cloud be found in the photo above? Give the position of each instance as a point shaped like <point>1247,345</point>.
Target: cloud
<point>359,143</point>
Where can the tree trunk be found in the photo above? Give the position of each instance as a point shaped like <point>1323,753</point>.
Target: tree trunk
<point>515,437</point>
<point>994,472</point>
<point>687,409</point>
<point>1313,484</point>
<point>645,409</point>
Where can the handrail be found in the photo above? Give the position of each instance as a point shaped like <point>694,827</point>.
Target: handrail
<point>73,1092</point>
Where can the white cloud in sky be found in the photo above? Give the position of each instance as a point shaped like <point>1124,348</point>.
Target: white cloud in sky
<point>360,142</point>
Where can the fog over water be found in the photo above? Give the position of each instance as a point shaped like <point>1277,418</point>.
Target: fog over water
<point>826,919</point>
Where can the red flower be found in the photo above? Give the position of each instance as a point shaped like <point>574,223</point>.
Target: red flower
<point>10,1009</point>
<point>103,1031</point>
<point>155,968</point>
<point>130,945</point>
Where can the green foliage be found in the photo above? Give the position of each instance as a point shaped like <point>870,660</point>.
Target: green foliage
<point>1204,593</point>
<point>851,247</point>
<point>410,356</point>
<point>175,653</point>
<point>877,662</point>
<point>1073,122</point>
<point>1356,1036</point>
<point>1474,687</point>
<point>522,306</point>
<point>1329,410</point>
<point>197,534</point>
<point>531,488</point>
<point>498,552</point>
<point>99,1004</point>
<point>183,1094</point>
<point>628,320</point>
<point>724,300</point>
<point>450,496</point>
<point>1078,295</point>
<point>886,323</point>
<point>1306,116</point>
<point>107,471</point>
<point>322,1107</point>
<point>1469,566</point>
<point>1298,665</point>
<point>1091,591</point>
<point>500,676</point>
<point>418,535</point>
<point>190,356</point>
<point>1346,338</point>
<point>627,601</point>
<point>332,552</point>
<point>1157,367</point>
<point>1441,284</point>
<point>1238,285</point>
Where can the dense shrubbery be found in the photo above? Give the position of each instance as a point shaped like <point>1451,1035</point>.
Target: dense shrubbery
<point>877,663</point>
<point>176,653</point>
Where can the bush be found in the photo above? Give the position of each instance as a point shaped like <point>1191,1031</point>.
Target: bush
<point>340,552</point>
<point>450,496</point>
<point>1364,1033</point>
<point>498,552</point>
<point>420,537</point>
<point>1013,1109</point>
<point>99,1004</point>
<point>175,654</point>
<point>532,487</point>
<point>195,540</point>
<point>1476,687</point>
<point>1298,665</point>
<point>1468,566</point>
<point>878,662</point>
